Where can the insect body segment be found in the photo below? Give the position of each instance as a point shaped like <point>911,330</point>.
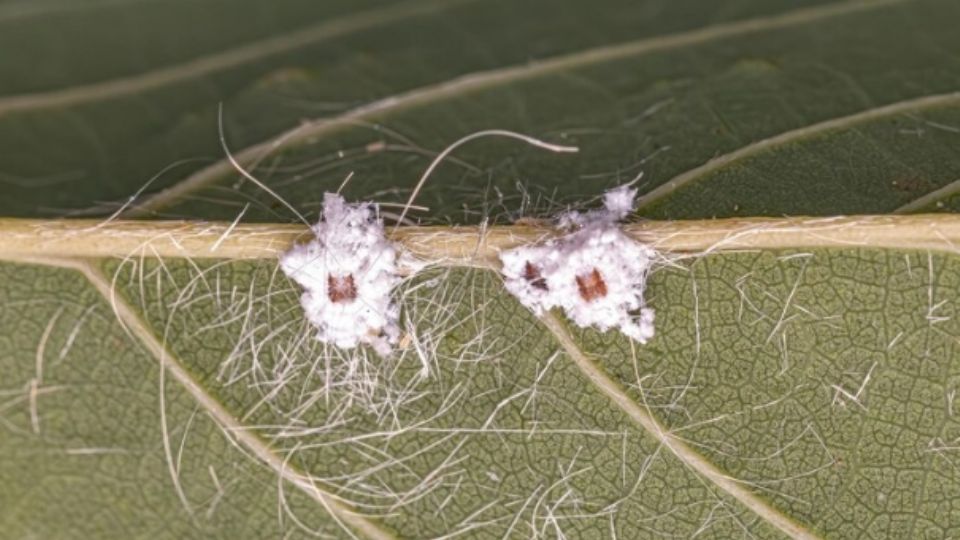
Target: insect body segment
<point>532,274</point>
<point>591,286</point>
<point>341,289</point>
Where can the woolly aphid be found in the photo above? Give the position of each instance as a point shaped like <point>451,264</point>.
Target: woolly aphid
<point>347,272</point>
<point>596,273</point>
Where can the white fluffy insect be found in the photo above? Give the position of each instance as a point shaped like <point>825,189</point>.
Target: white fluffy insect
<point>596,274</point>
<point>348,271</point>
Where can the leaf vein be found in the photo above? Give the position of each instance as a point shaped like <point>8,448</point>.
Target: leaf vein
<point>485,79</point>
<point>697,173</point>
<point>220,61</point>
<point>468,246</point>
<point>602,381</point>
<point>139,329</point>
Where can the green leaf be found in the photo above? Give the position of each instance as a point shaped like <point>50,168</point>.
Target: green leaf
<point>788,392</point>
<point>756,108</point>
<point>157,379</point>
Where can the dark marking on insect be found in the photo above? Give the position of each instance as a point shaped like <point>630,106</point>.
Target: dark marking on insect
<point>532,274</point>
<point>592,286</point>
<point>341,289</point>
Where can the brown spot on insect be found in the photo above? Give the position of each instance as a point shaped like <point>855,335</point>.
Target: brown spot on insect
<point>341,289</point>
<point>592,285</point>
<point>532,274</point>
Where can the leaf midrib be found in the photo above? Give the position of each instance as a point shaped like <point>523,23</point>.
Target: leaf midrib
<point>468,245</point>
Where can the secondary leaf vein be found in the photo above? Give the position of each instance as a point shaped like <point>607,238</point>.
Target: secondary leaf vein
<point>688,456</point>
<point>910,105</point>
<point>139,329</point>
<point>221,61</point>
<point>486,79</point>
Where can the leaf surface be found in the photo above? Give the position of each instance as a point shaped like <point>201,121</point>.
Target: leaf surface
<point>793,389</point>
<point>681,91</point>
<point>787,393</point>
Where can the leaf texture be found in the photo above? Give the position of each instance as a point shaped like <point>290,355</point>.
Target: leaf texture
<point>162,383</point>
<point>715,97</point>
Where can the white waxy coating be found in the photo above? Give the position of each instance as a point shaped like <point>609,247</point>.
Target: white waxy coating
<point>596,274</point>
<point>348,271</point>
